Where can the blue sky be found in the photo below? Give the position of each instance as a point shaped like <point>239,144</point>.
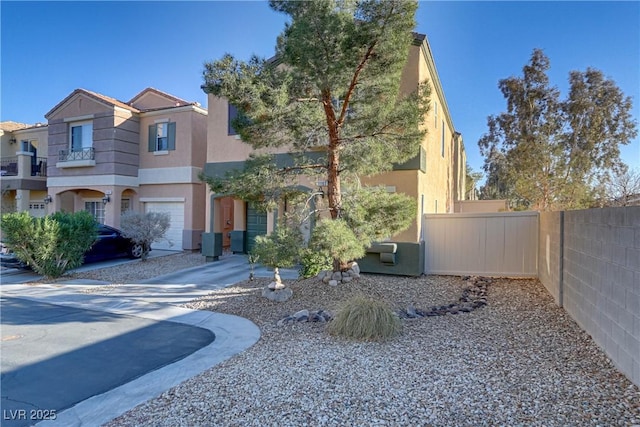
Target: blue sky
<point>119,48</point>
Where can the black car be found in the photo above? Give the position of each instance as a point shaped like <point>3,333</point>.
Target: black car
<point>109,244</point>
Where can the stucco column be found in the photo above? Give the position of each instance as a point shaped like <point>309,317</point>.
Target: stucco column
<point>112,208</point>
<point>22,200</point>
<point>24,165</point>
<point>239,215</point>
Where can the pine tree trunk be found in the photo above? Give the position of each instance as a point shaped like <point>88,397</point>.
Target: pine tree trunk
<point>333,164</point>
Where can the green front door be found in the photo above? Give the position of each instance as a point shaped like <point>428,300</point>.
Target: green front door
<point>256,225</point>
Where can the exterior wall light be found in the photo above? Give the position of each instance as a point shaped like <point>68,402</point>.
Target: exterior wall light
<point>48,199</point>
<point>106,199</point>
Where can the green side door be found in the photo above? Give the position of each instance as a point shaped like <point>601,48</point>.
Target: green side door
<point>256,225</point>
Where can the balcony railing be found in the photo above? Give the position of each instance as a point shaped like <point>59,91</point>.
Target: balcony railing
<point>83,154</point>
<point>23,165</point>
<point>9,166</point>
<point>39,168</point>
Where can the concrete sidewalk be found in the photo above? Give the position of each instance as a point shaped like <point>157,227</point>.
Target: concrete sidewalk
<point>155,300</point>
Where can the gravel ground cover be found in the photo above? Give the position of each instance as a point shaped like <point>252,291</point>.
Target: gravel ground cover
<point>520,360</point>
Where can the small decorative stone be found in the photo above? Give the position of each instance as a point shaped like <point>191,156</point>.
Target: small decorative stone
<point>337,275</point>
<point>347,279</point>
<point>279,295</point>
<point>355,268</point>
<point>301,316</point>
<point>333,283</point>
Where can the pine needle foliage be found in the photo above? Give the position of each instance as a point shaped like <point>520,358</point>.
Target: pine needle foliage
<point>365,319</point>
<point>331,99</point>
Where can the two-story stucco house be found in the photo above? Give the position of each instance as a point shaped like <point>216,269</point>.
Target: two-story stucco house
<point>23,167</point>
<point>435,177</point>
<point>107,156</point>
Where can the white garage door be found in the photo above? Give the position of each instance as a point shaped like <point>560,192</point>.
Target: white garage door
<point>37,210</point>
<point>174,233</point>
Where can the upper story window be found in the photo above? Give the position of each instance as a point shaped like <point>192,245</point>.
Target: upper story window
<point>435,113</point>
<point>80,151</point>
<point>162,136</point>
<point>233,113</point>
<point>81,135</point>
<point>442,143</point>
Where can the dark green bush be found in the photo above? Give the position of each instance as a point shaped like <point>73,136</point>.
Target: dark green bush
<point>334,239</point>
<point>365,319</point>
<point>280,248</point>
<point>50,245</point>
<point>312,263</point>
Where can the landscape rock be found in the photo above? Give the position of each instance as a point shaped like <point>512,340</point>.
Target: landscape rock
<point>473,297</point>
<point>279,295</point>
<point>302,316</point>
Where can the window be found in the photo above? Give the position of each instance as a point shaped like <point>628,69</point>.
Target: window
<point>435,113</point>
<point>81,134</point>
<point>125,205</point>
<point>442,143</point>
<point>96,209</point>
<point>162,136</point>
<point>233,113</point>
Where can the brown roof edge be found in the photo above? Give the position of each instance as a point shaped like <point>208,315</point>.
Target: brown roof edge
<point>161,93</point>
<point>97,96</point>
<point>10,126</point>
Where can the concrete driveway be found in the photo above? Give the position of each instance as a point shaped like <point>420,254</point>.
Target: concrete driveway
<point>84,356</point>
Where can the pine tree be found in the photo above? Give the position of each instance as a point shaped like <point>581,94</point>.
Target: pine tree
<point>331,97</point>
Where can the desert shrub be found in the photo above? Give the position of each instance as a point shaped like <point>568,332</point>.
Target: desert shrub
<point>50,245</point>
<point>335,239</point>
<point>280,248</point>
<point>145,228</point>
<point>312,263</point>
<point>366,319</point>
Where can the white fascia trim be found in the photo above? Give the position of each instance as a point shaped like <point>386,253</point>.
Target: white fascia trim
<point>177,175</point>
<point>171,110</point>
<point>162,199</point>
<point>92,180</point>
<point>78,118</point>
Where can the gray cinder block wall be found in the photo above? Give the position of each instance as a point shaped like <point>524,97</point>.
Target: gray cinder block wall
<point>590,263</point>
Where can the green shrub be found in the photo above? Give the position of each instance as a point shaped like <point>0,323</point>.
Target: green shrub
<point>50,245</point>
<point>312,263</point>
<point>280,248</point>
<point>363,318</point>
<point>334,239</point>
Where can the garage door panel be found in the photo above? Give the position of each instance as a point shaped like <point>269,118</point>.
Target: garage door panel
<point>174,233</point>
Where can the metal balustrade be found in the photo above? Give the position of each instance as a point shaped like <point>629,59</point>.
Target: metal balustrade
<point>9,166</point>
<point>71,155</point>
<point>39,168</point>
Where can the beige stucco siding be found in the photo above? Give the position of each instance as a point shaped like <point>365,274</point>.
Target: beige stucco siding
<point>190,139</point>
<point>222,147</point>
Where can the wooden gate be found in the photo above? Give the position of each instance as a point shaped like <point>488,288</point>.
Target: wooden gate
<point>490,244</point>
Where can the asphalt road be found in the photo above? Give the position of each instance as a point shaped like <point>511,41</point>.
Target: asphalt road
<point>54,356</point>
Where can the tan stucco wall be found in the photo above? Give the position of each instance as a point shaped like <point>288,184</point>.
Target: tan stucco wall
<point>151,100</point>
<point>222,147</point>
<point>190,139</point>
